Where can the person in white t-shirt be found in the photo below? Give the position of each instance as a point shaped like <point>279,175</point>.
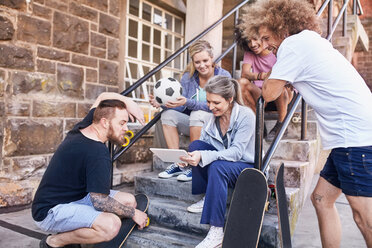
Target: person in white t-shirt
<point>340,99</point>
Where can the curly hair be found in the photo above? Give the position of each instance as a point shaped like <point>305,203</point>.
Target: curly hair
<point>282,17</point>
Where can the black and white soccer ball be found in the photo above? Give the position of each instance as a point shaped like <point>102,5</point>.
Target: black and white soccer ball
<point>167,89</point>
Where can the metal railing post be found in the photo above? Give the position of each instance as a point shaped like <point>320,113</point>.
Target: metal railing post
<point>235,48</point>
<point>330,17</point>
<point>259,133</point>
<point>303,119</point>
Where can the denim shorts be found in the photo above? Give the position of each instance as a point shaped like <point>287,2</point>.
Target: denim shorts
<point>350,169</point>
<point>71,216</point>
<point>182,121</point>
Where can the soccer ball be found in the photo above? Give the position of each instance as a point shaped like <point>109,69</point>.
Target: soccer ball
<point>167,89</point>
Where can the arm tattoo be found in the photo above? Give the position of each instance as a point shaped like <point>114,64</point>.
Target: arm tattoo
<point>318,198</point>
<point>105,203</point>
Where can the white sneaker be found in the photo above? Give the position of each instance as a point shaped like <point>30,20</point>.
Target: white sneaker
<point>185,176</point>
<point>214,238</point>
<point>196,207</point>
<point>172,171</point>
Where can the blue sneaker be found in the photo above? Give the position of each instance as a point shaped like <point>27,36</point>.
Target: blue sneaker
<point>185,176</point>
<point>172,171</point>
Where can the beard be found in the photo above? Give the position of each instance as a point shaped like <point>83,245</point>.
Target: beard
<point>117,140</point>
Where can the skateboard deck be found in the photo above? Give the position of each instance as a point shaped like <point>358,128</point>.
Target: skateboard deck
<point>281,202</point>
<point>127,226</point>
<point>247,208</point>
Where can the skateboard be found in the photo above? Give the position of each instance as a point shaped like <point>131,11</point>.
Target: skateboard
<point>281,202</point>
<point>127,226</point>
<point>247,208</point>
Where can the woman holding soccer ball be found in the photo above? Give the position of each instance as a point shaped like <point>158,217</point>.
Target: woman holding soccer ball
<point>189,112</point>
<point>225,148</point>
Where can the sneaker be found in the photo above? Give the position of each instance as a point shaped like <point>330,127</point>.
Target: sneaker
<point>172,171</point>
<point>214,238</point>
<point>196,207</point>
<point>270,137</point>
<point>185,176</point>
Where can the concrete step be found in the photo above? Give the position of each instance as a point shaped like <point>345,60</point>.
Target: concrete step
<point>294,172</point>
<point>294,129</point>
<point>169,218</point>
<point>161,237</point>
<point>295,150</point>
<point>152,185</point>
<point>172,213</point>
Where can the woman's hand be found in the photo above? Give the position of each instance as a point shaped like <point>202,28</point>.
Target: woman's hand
<point>153,102</point>
<point>193,158</point>
<point>179,102</point>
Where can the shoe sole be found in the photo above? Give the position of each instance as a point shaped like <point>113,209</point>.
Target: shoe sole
<point>184,180</point>
<point>195,211</point>
<point>173,175</point>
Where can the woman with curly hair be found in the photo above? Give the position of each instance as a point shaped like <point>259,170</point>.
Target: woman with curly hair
<point>340,99</point>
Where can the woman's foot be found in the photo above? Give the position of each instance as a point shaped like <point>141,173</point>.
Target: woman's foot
<point>172,171</point>
<point>214,238</point>
<point>196,207</point>
<point>185,176</point>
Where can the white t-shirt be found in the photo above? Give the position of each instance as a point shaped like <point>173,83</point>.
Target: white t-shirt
<point>330,85</point>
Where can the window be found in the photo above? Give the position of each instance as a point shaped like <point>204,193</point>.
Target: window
<point>152,35</point>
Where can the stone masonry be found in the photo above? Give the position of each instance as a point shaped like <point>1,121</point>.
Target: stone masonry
<point>56,57</point>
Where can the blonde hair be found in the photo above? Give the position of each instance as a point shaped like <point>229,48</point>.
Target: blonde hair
<point>225,87</point>
<point>282,17</point>
<point>197,47</point>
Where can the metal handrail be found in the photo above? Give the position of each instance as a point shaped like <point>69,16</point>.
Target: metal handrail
<point>263,163</point>
<point>120,150</point>
<point>182,49</point>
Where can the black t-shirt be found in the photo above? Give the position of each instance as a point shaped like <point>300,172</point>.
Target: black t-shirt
<point>80,165</point>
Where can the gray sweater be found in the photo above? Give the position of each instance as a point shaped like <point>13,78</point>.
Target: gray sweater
<point>240,135</point>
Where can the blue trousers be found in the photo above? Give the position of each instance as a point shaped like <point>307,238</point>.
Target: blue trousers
<point>214,180</point>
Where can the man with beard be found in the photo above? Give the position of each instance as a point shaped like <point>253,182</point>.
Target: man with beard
<point>74,199</point>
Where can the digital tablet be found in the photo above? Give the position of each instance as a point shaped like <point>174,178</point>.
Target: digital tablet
<point>169,155</point>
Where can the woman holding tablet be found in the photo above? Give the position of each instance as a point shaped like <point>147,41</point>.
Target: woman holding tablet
<point>225,148</point>
<point>187,115</point>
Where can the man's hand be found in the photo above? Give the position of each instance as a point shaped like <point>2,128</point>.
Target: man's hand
<point>193,158</point>
<point>140,218</point>
<point>179,102</point>
<point>134,111</point>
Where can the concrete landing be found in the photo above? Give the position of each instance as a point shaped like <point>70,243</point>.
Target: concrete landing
<point>305,235</point>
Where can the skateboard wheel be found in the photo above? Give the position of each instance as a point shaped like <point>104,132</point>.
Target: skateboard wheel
<point>148,222</point>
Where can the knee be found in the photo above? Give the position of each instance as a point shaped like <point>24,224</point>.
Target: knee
<point>131,201</point>
<point>243,82</point>
<point>197,145</point>
<point>216,168</point>
<point>110,227</point>
<point>320,202</point>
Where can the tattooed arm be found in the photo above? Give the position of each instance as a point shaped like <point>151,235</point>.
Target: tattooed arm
<point>105,203</point>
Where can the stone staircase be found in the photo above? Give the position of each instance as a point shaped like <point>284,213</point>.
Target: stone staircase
<point>172,226</point>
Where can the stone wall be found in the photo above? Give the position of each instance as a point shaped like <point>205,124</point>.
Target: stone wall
<point>55,58</point>
<point>363,60</point>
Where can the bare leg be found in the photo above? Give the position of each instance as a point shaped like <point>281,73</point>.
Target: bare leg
<point>104,228</point>
<point>171,136</point>
<point>281,104</point>
<point>362,213</point>
<point>195,133</point>
<point>250,93</point>
<point>323,199</point>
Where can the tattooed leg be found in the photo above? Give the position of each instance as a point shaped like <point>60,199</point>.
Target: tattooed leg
<point>323,199</point>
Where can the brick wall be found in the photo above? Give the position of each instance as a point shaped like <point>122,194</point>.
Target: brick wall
<point>363,60</point>
<point>55,58</point>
